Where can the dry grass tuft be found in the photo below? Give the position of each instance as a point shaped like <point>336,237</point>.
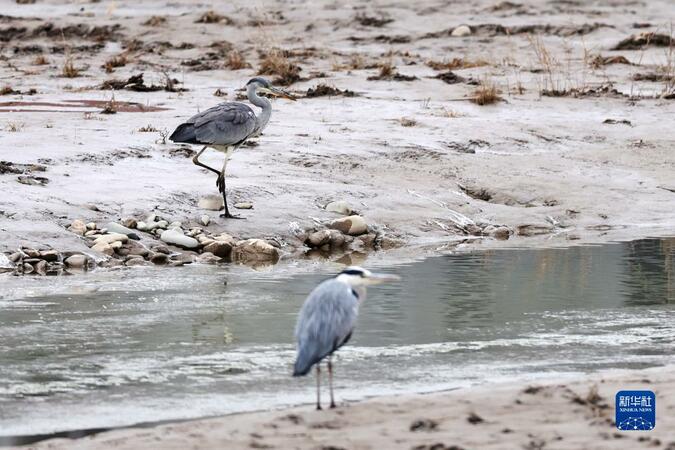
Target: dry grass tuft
<point>457,63</point>
<point>155,21</point>
<point>275,62</point>
<point>40,60</point>
<point>236,61</point>
<point>407,122</point>
<point>14,127</point>
<point>214,17</point>
<point>69,70</point>
<point>115,61</point>
<point>147,129</point>
<point>486,93</point>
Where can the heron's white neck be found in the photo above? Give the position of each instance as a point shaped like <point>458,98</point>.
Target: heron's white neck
<point>261,102</point>
<point>355,283</point>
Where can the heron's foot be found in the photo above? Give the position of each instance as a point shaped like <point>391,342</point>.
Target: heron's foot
<point>227,215</point>
<point>333,405</point>
<point>318,407</point>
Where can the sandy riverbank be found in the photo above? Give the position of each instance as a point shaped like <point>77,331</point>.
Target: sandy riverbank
<point>576,150</point>
<point>572,413</point>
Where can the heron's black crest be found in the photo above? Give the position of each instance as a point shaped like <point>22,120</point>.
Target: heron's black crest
<point>259,80</point>
<point>353,272</point>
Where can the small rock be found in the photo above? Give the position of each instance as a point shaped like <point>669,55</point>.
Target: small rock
<point>110,238</point>
<point>533,230</point>
<point>501,233</point>
<point>205,220</point>
<point>159,258</point>
<point>225,237</point>
<point>162,224</point>
<point>211,202</point>
<point>130,222</point>
<point>336,239</point>
<point>368,240</point>
<point>255,250</point>
<point>179,239</point>
<point>49,255</point>
<point>161,249</point>
<point>92,233</point>
<point>152,218</point>
<point>243,205</point>
<point>76,261</point>
<point>27,268</point>
<point>387,243</point>
<point>208,258</point>
<point>204,239</point>
<point>176,224</point>
<point>183,258</point>
<point>461,31</point>
<point>136,262</point>
<point>116,245</point>
<point>112,262</point>
<point>91,226</point>
<point>15,257</point>
<point>340,207</point>
<point>352,225</point>
<point>78,227</point>
<point>41,267</point>
<point>117,228</point>
<point>221,249</point>
<point>142,226</point>
<point>103,247</point>
<point>318,238</point>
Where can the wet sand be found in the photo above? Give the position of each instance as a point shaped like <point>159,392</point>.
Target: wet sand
<point>576,150</point>
<point>570,413</point>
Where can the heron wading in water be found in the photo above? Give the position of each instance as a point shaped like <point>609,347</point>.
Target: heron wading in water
<point>327,320</point>
<point>228,125</point>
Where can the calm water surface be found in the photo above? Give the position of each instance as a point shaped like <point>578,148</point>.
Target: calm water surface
<point>117,348</point>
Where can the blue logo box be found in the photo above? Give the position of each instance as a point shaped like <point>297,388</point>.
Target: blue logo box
<point>635,410</point>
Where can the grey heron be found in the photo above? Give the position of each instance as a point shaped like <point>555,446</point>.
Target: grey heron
<point>226,126</point>
<point>327,320</point>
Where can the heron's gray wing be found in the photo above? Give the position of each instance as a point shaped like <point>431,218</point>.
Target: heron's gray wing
<point>224,124</point>
<point>325,322</point>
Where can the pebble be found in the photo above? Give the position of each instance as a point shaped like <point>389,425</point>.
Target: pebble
<point>204,220</point>
<point>142,226</point>
<point>461,31</point>
<point>255,250</point>
<point>243,205</point>
<point>116,245</point>
<point>136,262</point>
<point>110,238</point>
<point>162,249</point>
<point>130,222</point>
<point>76,261</point>
<point>161,224</point>
<point>159,258</point>
<point>91,226</point>
<point>352,225</point>
<point>113,227</point>
<point>211,202</point>
<point>208,258</point>
<point>92,233</point>
<point>340,207</point>
<point>27,268</point>
<point>49,255</point>
<point>179,239</point>
<point>501,233</point>
<point>221,249</point>
<point>78,227</point>
<point>175,224</point>
<point>41,267</point>
<point>103,247</point>
<point>15,257</point>
<point>318,238</point>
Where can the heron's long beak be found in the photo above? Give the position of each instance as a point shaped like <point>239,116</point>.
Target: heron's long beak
<point>379,278</point>
<point>280,93</point>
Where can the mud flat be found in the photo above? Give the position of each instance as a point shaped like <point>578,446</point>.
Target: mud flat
<point>563,414</point>
<point>485,124</point>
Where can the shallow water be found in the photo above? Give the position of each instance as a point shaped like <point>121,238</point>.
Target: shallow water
<point>117,348</point>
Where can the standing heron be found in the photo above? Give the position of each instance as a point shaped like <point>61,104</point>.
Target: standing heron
<point>327,320</point>
<point>226,126</point>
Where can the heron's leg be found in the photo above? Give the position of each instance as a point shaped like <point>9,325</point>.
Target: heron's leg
<point>318,386</point>
<point>197,162</point>
<point>220,182</point>
<point>330,381</point>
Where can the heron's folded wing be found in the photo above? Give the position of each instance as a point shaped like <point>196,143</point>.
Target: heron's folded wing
<point>326,319</point>
<point>224,124</point>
